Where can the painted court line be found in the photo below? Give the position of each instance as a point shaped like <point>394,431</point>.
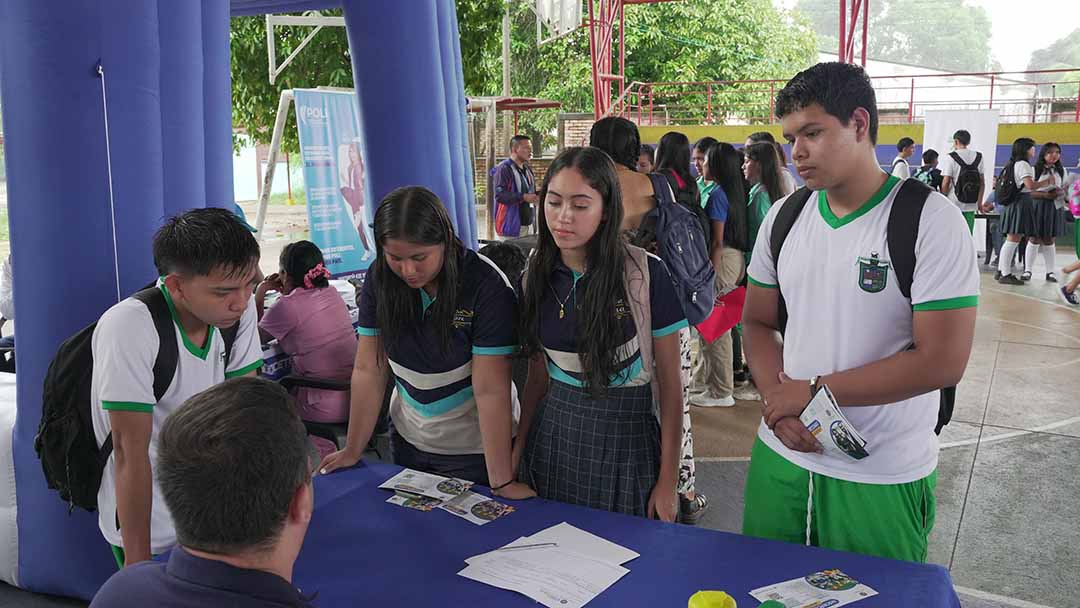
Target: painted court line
<point>1000,599</point>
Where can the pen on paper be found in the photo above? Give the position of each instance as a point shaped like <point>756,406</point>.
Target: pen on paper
<point>528,546</point>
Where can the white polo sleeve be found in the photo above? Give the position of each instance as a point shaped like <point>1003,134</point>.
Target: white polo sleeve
<point>246,355</point>
<point>946,266</point>
<point>125,345</point>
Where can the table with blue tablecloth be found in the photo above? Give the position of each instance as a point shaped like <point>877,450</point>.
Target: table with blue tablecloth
<point>363,551</point>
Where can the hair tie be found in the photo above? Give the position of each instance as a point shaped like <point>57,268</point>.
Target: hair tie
<point>318,271</point>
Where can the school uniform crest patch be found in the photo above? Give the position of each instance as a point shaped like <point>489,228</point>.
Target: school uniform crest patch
<point>873,274</point>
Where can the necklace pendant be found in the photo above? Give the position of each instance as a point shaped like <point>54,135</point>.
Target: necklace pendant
<point>562,312</point>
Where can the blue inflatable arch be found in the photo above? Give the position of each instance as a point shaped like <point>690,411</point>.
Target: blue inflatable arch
<point>164,84</point>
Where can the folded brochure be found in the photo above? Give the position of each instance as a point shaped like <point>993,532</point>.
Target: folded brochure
<point>425,484</point>
<point>826,421</point>
<point>828,588</point>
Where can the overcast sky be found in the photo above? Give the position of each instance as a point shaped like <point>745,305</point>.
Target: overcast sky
<point>1019,27</point>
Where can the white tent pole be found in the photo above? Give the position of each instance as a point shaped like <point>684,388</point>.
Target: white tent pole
<point>271,159</point>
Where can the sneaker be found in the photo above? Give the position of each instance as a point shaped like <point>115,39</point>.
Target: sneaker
<point>997,275</point>
<point>705,400</point>
<point>1010,279</point>
<point>1026,276</point>
<point>747,393</point>
<point>1068,297</point>
<point>1050,278</point>
<point>690,511</point>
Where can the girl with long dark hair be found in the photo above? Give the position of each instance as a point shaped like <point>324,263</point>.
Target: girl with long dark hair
<point>673,161</point>
<point>312,324</point>
<point>444,319</point>
<point>1047,204</point>
<point>600,324</point>
<point>766,187</point>
<point>1018,219</point>
<point>713,379</point>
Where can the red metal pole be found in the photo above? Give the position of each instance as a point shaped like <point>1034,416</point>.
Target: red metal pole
<point>1077,119</point>
<point>991,91</point>
<point>622,44</point>
<point>856,8</point>
<point>911,104</point>
<point>708,105</point>
<point>772,102</point>
<point>865,28</point>
<point>650,105</point>
<point>843,30</point>
<point>515,122</point>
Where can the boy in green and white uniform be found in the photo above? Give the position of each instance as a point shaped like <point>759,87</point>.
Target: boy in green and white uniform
<point>883,356</point>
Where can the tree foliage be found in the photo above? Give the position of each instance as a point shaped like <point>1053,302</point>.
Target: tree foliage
<point>1062,53</point>
<point>950,35</point>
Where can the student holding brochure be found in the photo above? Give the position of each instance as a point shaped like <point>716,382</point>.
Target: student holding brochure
<point>849,326</point>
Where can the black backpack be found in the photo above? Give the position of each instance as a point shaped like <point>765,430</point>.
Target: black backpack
<point>65,443</point>
<point>902,232</point>
<point>969,180</point>
<point>1007,191</point>
<point>678,235</point>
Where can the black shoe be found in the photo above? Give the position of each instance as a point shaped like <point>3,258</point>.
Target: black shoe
<point>1026,276</point>
<point>1069,297</point>
<point>1010,279</point>
<point>1050,278</point>
<point>997,275</point>
<point>690,511</point>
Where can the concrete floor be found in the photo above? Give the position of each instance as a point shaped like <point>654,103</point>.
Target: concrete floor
<point>1008,489</point>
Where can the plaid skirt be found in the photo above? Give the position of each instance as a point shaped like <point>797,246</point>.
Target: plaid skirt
<point>603,454</point>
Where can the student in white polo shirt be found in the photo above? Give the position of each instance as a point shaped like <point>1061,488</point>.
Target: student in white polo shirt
<point>208,262</point>
<point>962,176</point>
<point>849,327</point>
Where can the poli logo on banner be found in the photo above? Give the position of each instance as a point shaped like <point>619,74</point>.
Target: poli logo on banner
<point>339,214</point>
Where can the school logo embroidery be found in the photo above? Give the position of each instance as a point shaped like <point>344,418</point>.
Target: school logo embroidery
<point>622,310</point>
<point>463,318</point>
<point>873,273</point>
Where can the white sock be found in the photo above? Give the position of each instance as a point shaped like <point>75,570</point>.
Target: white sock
<point>1005,258</point>
<point>1030,255</point>
<point>1049,252</point>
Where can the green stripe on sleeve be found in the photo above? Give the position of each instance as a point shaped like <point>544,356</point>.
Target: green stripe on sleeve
<point>244,370</point>
<point>754,281</point>
<point>670,329</point>
<point>949,304</point>
<point>367,331</point>
<point>494,350</point>
<point>127,406</point>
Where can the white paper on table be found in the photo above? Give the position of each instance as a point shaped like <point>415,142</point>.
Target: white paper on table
<point>552,576</point>
<point>476,508</point>
<point>570,538</point>
<point>826,421</point>
<point>829,587</point>
<point>426,484</point>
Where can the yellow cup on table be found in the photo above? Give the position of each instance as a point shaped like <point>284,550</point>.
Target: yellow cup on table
<point>711,599</point>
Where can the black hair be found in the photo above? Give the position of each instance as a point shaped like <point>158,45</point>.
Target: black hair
<point>509,258</point>
<point>702,145</point>
<point>516,140</point>
<point>599,333</point>
<point>646,149</point>
<point>725,168</point>
<point>903,143</point>
<point>230,460</point>
<point>764,154</point>
<point>415,214</point>
<point>962,136</point>
<point>201,241</point>
<point>761,136</point>
<point>300,257</point>
<point>1020,149</point>
<point>619,138</point>
<point>1041,166</point>
<point>673,156</point>
<point>839,88</point>
<point>929,156</point>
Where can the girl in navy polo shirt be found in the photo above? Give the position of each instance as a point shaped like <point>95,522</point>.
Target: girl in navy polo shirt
<point>589,406</point>
<point>444,318</point>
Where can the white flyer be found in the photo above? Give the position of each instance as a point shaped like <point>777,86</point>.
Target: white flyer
<point>477,508</point>
<point>426,484</point>
<point>826,589</point>
<point>553,577</point>
<point>826,421</point>
<point>570,538</point>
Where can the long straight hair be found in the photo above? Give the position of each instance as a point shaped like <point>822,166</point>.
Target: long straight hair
<point>764,154</point>
<point>725,167</point>
<point>414,214</point>
<point>1041,166</point>
<point>599,334</point>
<point>1020,149</point>
<point>673,155</point>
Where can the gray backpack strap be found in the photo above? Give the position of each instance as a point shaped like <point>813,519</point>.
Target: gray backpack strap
<point>637,294</point>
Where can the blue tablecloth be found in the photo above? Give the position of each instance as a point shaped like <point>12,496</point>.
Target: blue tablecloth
<point>362,551</point>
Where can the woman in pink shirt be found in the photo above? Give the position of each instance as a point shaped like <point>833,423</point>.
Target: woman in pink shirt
<point>312,324</point>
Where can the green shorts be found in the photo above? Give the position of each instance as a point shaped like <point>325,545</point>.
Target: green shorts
<point>892,521</point>
<point>970,217</point>
<point>118,555</point>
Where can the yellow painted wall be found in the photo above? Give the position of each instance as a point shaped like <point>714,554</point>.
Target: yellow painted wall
<point>1062,133</point>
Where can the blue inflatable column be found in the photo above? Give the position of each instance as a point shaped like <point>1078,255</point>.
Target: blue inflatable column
<point>217,104</point>
<point>411,101</point>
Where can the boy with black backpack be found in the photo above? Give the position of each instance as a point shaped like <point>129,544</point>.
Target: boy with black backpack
<point>208,262</point>
<point>866,284</point>
<point>962,177</point>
